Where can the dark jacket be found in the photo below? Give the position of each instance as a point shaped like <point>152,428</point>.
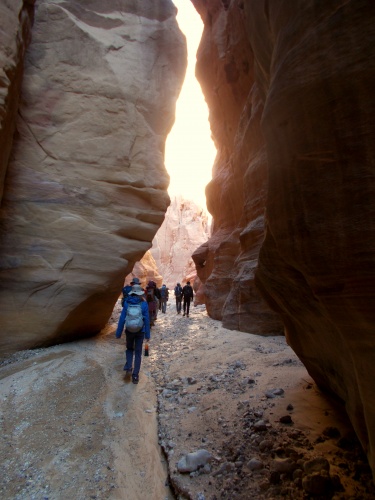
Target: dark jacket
<point>187,292</point>
<point>134,299</point>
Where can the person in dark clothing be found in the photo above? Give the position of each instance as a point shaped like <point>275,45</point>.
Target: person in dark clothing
<point>152,301</point>
<point>164,296</point>
<point>178,295</point>
<point>188,295</point>
<point>134,340</point>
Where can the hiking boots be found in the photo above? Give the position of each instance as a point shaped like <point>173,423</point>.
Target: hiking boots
<point>135,379</point>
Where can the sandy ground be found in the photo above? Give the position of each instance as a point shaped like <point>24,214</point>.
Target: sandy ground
<point>73,428</point>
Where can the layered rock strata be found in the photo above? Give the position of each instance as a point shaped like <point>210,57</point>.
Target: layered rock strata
<point>308,72</point>
<point>85,190</point>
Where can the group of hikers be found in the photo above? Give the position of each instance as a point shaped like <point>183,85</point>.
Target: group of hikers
<point>140,309</point>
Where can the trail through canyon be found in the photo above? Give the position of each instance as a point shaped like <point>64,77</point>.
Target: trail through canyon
<point>72,427</point>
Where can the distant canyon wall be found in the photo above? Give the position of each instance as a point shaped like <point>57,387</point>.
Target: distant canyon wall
<point>290,90</point>
<point>185,227</point>
<point>84,117</point>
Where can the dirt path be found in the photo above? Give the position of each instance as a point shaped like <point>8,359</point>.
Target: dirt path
<point>71,427</point>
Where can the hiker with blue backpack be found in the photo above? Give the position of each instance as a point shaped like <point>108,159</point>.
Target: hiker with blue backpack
<point>134,316</point>
<point>164,296</point>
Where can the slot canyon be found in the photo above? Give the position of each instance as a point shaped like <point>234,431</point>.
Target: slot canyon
<point>87,98</point>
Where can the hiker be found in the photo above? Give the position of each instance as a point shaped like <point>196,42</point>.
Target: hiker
<point>157,300</point>
<point>127,289</point>
<point>134,316</point>
<point>178,295</point>
<point>152,301</point>
<point>164,296</point>
<point>188,295</point>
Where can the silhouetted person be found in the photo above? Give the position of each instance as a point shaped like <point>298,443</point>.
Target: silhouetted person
<point>178,295</point>
<point>188,295</point>
<point>164,296</point>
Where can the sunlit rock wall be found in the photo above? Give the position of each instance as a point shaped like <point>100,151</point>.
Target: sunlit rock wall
<point>85,190</point>
<point>236,196</point>
<point>185,227</point>
<point>146,270</point>
<point>314,74</point>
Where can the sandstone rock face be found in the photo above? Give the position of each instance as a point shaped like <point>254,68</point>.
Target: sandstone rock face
<point>16,18</point>
<point>146,270</point>
<point>85,190</point>
<point>236,196</point>
<point>184,228</point>
<point>313,78</point>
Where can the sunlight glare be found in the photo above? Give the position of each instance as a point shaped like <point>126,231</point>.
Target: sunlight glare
<point>190,151</point>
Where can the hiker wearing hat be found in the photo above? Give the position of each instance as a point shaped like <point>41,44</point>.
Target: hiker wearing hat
<point>178,295</point>
<point>188,295</point>
<point>134,316</point>
<point>127,289</point>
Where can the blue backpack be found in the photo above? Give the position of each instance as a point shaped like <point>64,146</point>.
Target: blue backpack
<point>134,318</point>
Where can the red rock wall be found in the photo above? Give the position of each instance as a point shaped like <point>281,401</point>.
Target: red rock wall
<point>236,196</point>
<point>313,86</point>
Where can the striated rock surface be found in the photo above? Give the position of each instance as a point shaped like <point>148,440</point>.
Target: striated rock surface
<point>16,18</point>
<point>85,190</point>
<point>184,228</point>
<point>308,72</point>
<point>236,196</point>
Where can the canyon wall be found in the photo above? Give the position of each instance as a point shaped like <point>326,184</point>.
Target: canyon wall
<point>85,188</point>
<point>146,270</point>
<point>185,227</point>
<point>290,89</point>
<point>236,196</point>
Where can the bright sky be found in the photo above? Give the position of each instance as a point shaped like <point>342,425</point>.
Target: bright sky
<point>190,152</point>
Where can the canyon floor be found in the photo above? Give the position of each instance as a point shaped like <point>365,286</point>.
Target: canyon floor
<point>73,427</point>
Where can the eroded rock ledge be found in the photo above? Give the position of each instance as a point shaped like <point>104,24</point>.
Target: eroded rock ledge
<point>85,190</point>
<point>290,91</point>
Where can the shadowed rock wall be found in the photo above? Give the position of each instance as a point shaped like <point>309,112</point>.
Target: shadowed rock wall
<point>236,196</point>
<point>314,73</point>
<point>85,190</point>
<point>15,19</point>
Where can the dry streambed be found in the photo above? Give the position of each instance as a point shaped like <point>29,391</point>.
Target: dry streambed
<point>240,418</point>
<point>237,416</point>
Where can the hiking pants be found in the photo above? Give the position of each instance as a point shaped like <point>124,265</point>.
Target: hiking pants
<point>186,305</point>
<point>134,343</point>
<point>178,304</point>
<point>163,305</point>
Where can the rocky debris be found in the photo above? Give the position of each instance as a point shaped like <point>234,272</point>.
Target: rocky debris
<point>256,453</point>
<point>191,462</point>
